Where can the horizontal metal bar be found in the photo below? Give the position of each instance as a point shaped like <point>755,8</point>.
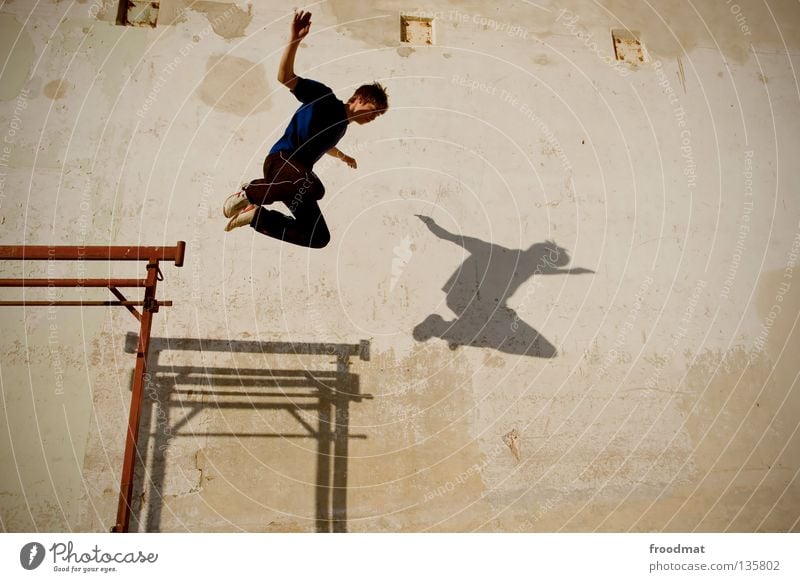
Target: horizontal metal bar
<point>80,303</point>
<point>94,253</point>
<point>73,282</point>
<point>196,434</point>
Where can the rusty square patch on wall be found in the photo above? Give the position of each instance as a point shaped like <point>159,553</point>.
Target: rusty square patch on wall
<point>138,12</point>
<point>628,47</point>
<point>416,29</point>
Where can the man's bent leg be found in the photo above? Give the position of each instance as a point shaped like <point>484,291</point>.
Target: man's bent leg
<point>283,180</point>
<point>306,229</point>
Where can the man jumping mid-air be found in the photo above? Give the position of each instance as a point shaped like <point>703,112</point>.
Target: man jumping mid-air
<point>314,130</point>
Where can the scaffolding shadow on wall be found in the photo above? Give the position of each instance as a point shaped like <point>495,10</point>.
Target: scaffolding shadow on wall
<point>178,395</point>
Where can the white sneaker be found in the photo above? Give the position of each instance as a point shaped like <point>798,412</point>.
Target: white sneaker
<point>244,218</point>
<point>234,204</point>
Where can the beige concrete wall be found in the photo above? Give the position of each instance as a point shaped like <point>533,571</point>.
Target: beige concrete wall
<point>671,401</point>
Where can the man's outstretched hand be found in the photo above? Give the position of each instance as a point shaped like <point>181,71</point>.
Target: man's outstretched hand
<point>300,25</point>
<point>349,161</point>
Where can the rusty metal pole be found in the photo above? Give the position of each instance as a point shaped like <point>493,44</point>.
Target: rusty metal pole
<point>139,377</point>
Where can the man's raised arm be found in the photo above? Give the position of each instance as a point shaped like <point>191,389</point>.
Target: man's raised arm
<point>301,24</point>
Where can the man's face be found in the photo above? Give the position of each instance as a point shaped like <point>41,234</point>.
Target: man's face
<point>365,112</point>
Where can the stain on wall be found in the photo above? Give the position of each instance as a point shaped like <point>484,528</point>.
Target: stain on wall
<point>56,89</point>
<point>235,85</point>
<point>541,60</point>
<point>377,27</point>
<point>740,418</point>
<point>778,305</point>
<point>17,48</point>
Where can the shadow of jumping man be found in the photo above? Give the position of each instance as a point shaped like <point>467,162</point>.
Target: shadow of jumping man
<point>478,291</point>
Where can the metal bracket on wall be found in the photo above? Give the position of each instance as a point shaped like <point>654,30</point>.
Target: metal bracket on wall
<point>628,47</point>
<point>416,29</point>
<point>138,13</point>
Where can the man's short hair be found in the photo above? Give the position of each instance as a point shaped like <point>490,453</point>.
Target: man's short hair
<point>374,93</point>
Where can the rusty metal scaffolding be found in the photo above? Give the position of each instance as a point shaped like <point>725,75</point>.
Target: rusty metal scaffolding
<point>150,305</point>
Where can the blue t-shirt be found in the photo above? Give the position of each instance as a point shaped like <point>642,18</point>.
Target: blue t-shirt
<point>316,126</point>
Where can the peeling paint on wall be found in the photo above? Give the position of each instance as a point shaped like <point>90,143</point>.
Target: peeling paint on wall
<point>375,27</point>
<point>227,20</point>
<point>667,32</point>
